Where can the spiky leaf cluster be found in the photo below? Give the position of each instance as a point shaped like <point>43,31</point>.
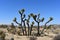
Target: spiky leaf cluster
<point>21,11</point>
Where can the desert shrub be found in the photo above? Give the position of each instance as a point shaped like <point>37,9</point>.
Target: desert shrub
<point>56,37</point>
<point>33,38</point>
<point>19,33</point>
<point>34,33</point>
<point>3,26</point>
<point>11,30</point>
<point>56,32</point>
<point>2,35</point>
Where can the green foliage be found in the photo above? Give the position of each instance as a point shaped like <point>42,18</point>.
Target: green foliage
<point>34,16</point>
<point>21,11</point>
<point>42,19</point>
<point>14,19</point>
<point>49,20</point>
<point>33,23</point>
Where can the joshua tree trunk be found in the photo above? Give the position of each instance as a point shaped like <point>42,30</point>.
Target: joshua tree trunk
<point>38,30</point>
<point>31,29</point>
<point>25,28</point>
<point>28,30</point>
<point>43,29</point>
<point>21,25</point>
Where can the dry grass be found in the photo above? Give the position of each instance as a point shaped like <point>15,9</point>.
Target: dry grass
<point>10,35</point>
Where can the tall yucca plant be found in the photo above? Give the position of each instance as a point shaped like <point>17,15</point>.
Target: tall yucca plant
<point>27,20</point>
<point>50,19</point>
<point>15,20</point>
<point>24,24</point>
<point>31,27</point>
<point>21,12</point>
<point>36,18</point>
<point>46,24</point>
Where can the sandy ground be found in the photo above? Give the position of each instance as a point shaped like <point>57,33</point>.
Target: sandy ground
<point>17,37</point>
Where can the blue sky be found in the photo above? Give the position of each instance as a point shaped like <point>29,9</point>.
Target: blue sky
<point>46,8</point>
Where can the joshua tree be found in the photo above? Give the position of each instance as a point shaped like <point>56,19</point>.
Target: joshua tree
<point>37,20</point>
<point>24,24</point>
<point>28,24</point>
<point>21,12</point>
<point>31,27</point>
<point>46,24</point>
<point>35,17</point>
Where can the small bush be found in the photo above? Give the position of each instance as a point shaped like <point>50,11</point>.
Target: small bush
<point>56,32</point>
<point>11,30</point>
<point>2,35</point>
<point>19,33</point>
